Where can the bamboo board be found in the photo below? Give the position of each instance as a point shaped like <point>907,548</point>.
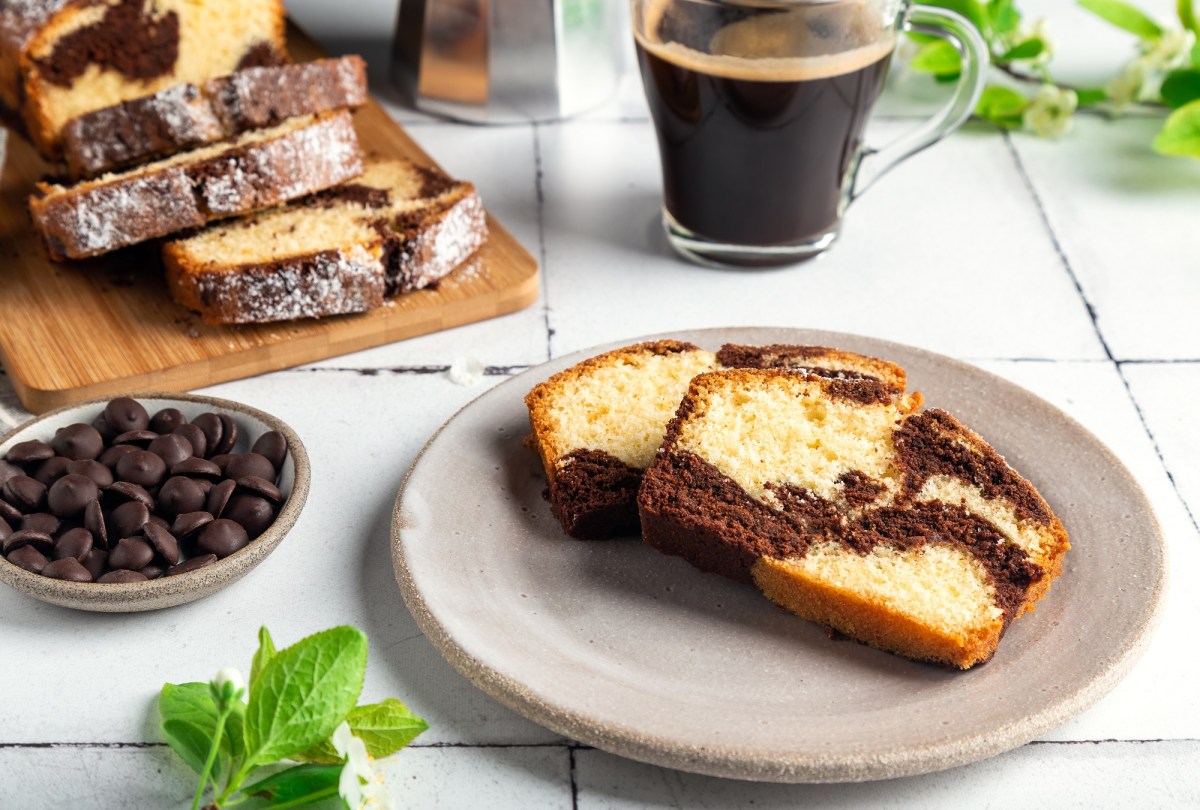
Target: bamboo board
<point>75,331</point>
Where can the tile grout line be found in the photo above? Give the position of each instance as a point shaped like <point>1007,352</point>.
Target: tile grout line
<point>1091,311</point>
<point>541,225</point>
<point>571,749</point>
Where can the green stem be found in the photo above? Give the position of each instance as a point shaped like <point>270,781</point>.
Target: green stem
<point>236,781</point>
<point>324,793</point>
<point>212,757</point>
<point>1029,78</point>
<point>1187,15</point>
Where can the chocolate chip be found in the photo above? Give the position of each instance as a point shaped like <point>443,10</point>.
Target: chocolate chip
<point>250,464</point>
<point>29,558</point>
<point>9,512</point>
<point>191,565</point>
<point>122,575</point>
<point>195,437</point>
<point>43,522</point>
<point>69,569</point>
<point>131,553</point>
<point>24,493</point>
<point>92,469</point>
<point>51,470</point>
<point>124,414</point>
<point>260,486</point>
<point>188,524</point>
<point>222,461</point>
<point>5,530</point>
<point>70,494</point>
<point>253,512</point>
<point>272,446</point>
<point>218,497</point>
<point>29,537</point>
<point>179,495</point>
<point>127,491</point>
<point>195,467</point>
<point>106,430</point>
<point>7,471</point>
<point>166,420</point>
<point>141,467</point>
<point>229,434</point>
<point>29,452</point>
<point>158,520</point>
<point>112,455</point>
<point>139,438</point>
<point>96,562</point>
<point>171,448</point>
<point>211,426</point>
<point>127,520</point>
<point>78,441</point>
<point>222,537</point>
<point>163,542</point>
<point>75,543</point>
<point>93,521</point>
<point>153,571</point>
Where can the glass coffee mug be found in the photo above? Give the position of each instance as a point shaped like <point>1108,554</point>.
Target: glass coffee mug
<point>759,107</point>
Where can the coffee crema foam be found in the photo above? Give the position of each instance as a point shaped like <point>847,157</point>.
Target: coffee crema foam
<point>760,34</point>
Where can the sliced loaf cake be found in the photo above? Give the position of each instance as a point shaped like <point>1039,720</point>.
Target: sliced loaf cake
<point>60,59</point>
<point>849,506</point>
<point>397,228</point>
<point>597,425</point>
<point>261,168</point>
<point>187,115</point>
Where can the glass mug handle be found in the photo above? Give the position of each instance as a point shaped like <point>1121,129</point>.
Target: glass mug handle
<point>955,29</point>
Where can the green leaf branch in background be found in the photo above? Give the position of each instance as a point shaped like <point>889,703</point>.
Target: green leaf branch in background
<point>300,699</point>
<point>1162,75</point>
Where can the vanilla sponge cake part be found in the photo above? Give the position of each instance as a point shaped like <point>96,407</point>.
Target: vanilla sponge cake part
<point>186,115</point>
<point>60,59</point>
<point>597,425</point>
<point>397,228</point>
<point>900,528</point>
<point>260,169</point>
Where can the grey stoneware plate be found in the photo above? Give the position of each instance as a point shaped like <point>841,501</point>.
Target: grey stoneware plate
<point>182,588</point>
<point>639,654</point>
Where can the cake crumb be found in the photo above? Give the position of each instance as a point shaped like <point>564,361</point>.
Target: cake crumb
<point>465,371</point>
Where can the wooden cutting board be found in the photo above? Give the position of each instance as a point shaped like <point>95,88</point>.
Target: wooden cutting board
<point>79,330</point>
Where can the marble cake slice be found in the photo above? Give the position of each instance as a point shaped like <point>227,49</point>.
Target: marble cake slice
<point>900,528</point>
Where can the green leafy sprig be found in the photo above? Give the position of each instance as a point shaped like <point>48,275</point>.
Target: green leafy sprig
<point>297,702</point>
<point>1162,77</point>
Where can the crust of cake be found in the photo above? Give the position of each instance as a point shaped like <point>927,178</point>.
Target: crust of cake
<point>187,115</point>
<point>759,522</point>
<point>871,623</point>
<point>822,361</point>
<point>63,60</point>
<point>398,228</point>
<point>261,169</point>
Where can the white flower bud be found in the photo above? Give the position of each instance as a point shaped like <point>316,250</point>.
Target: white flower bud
<point>1050,113</point>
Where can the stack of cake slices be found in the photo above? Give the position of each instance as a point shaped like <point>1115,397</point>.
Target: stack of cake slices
<point>184,122</point>
<point>810,473</point>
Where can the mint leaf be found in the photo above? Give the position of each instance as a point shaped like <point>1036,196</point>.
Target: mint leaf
<point>303,693</point>
<point>189,720</point>
<point>1180,135</point>
<point>1196,54</point>
<point>263,655</point>
<point>384,728</point>
<point>1005,17</point>
<point>974,10</point>
<point>295,786</point>
<point>1086,96</point>
<point>1180,87</point>
<point>1125,17</point>
<point>1001,105</point>
<point>1187,18</point>
<point>1029,49</point>
<point>939,58</point>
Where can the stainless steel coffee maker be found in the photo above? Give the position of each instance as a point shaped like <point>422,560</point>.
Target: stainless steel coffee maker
<point>509,61</point>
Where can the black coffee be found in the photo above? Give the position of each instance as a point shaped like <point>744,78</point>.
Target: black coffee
<point>756,156</point>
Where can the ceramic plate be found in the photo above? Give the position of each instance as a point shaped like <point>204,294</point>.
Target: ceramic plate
<point>639,654</point>
<point>182,588</point>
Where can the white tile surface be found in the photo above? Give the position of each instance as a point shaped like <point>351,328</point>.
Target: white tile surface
<point>1088,775</point>
<point>919,261</point>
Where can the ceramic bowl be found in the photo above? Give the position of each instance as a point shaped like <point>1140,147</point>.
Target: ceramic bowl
<point>182,588</point>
